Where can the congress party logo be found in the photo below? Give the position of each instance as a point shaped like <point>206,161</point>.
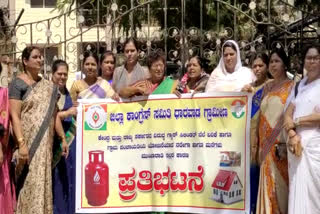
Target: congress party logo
<point>96,117</point>
<point>238,108</point>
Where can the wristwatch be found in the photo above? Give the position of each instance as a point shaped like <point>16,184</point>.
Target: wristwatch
<point>296,122</point>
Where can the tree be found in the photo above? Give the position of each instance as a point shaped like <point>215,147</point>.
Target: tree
<point>309,3</point>
<point>4,22</point>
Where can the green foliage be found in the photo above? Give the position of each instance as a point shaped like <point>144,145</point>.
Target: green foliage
<point>64,5</point>
<point>138,15</point>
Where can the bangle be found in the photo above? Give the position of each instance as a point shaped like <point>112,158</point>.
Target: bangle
<point>297,122</point>
<point>20,140</point>
<point>291,135</point>
<point>22,144</point>
<point>62,138</point>
<point>66,114</point>
<point>63,114</point>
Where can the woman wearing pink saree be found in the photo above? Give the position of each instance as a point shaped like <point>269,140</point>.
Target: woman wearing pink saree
<point>7,191</point>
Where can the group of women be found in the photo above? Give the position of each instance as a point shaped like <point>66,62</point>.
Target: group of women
<point>285,143</point>
<point>284,118</point>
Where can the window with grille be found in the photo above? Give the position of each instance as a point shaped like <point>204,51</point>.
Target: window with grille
<point>43,3</point>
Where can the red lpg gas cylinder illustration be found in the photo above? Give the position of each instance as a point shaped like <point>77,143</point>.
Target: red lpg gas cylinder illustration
<point>97,179</point>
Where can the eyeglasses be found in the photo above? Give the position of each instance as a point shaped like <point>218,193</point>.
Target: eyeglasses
<point>154,66</point>
<point>313,58</point>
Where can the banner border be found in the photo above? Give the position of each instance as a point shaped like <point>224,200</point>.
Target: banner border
<point>79,172</point>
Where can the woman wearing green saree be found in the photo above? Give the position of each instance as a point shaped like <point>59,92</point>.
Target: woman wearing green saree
<point>158,83</point>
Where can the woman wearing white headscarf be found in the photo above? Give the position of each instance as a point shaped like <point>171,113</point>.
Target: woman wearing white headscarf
<point>230,75</point>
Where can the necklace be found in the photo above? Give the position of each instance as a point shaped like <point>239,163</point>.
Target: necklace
<point>275,85</point>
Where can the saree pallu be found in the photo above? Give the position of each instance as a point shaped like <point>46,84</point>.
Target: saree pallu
<point>167,86</point>
<point>64,169</point>
<point>255,113</point>
<point>101,89</point>
<point>273,181</point>
<point>35,196</point>
<point>254,167</point>
<point>122,78</point>
<point>7,191</point>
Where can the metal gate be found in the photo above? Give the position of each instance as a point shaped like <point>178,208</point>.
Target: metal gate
<point>180,28</point>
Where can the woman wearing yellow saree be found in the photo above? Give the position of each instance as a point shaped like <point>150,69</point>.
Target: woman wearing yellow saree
<point>273,182</point>
<point>92,86</point>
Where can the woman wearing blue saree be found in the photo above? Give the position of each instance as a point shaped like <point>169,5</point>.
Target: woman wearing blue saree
<point>260,69</point>
<point>63,175</point>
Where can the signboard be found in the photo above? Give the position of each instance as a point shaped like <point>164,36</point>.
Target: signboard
<point>164,154</point>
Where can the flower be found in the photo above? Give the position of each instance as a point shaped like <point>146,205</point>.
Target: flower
<point>252,5</point>
<point>114,7</point>
<point>285,17</point>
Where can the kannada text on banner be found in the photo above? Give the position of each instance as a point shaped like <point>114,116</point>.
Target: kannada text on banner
<point>163,154</point>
